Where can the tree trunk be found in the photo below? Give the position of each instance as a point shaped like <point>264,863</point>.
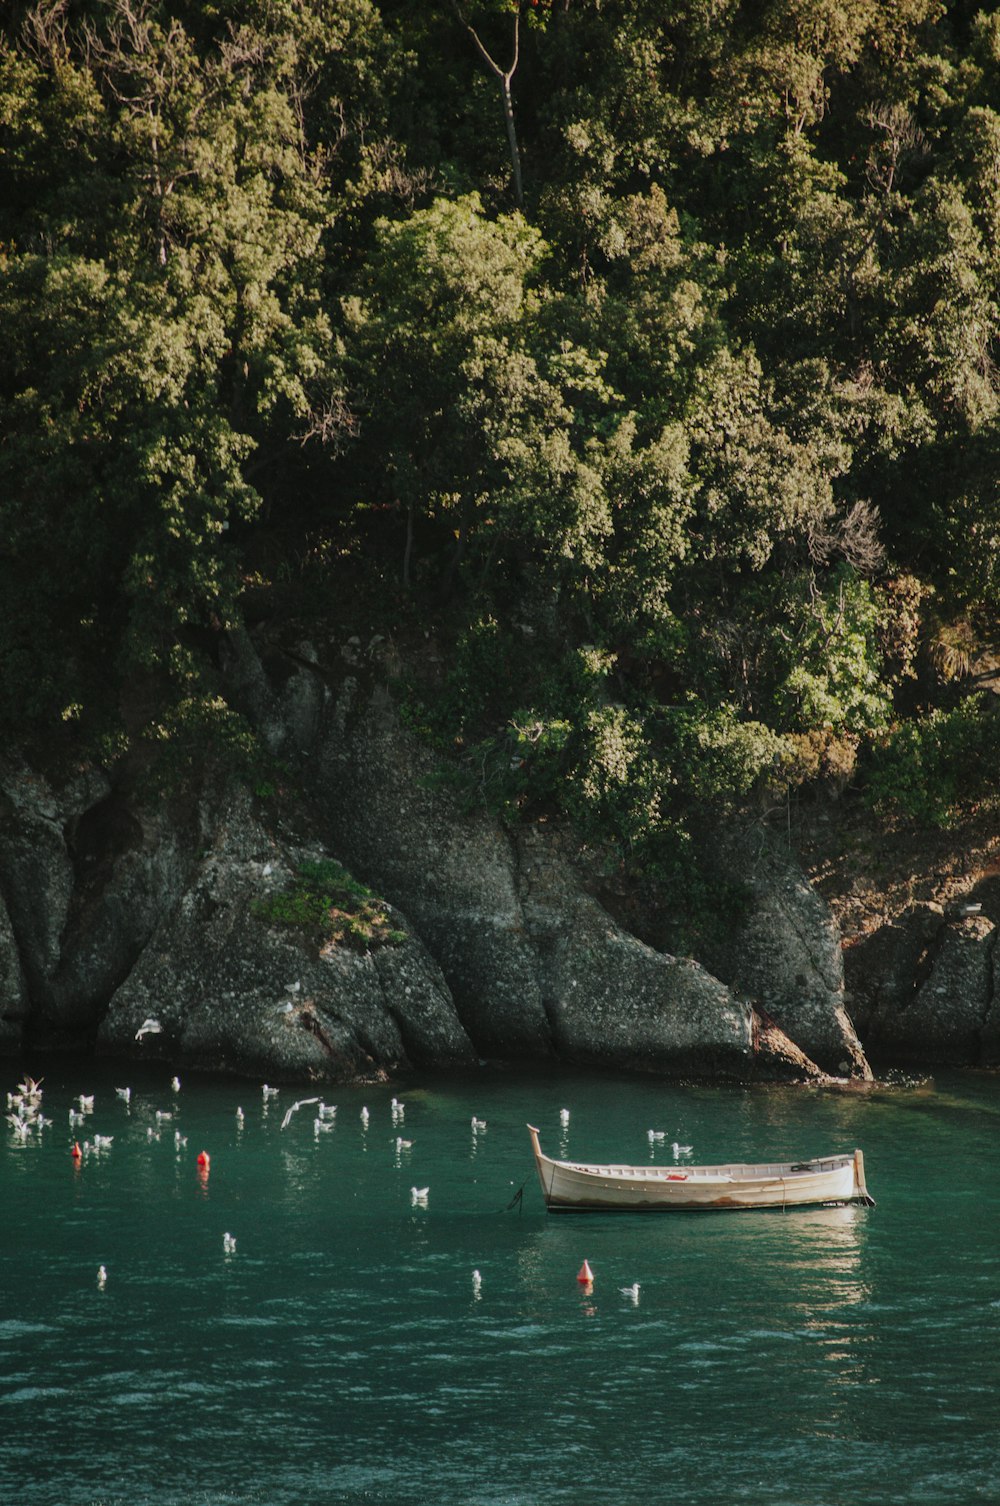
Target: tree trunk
<point>504,78</point>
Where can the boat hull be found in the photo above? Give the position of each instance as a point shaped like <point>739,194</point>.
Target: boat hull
<point>570,1187</point>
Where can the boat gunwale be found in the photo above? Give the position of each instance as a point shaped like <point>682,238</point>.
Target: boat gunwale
<point>733,1171</point>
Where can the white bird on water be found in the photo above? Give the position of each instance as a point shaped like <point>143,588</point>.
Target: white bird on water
<point>239,1115</point>
<point>631,1292</point>
<point>175,1083</point>
<point>179,1139</point>
<point>564,1116</point>
<point>229,1244</point>
<point>680,1150</point>
<point>102,1277</point>
<point>125,1094</point>
<point>267,1092</point>
<point>418,1196</point>
<point>402,1144</point>
<point>655,1135</point>
<point>86,1104</point>
<point>148,1027</point>
<point>320,1125</point>
<point>364,1118</point>
<point>477,1124</point>
<point>326,1110</point>
<point>477,1283</point>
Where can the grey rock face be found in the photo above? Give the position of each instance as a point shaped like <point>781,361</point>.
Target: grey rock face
<point>535,965</point>
<point>454,874</point>
<point>935,992</point>
<point>884,970</point>
<point>85,881</point>
<point>783,949</point>
<point>120,911</point>
<point>236,993</point>
<point>611,1000</point>
<point>13,994</point>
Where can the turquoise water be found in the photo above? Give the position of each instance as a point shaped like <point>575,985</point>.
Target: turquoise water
<point>343,1352</point>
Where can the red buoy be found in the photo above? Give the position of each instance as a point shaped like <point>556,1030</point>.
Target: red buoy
<point>203,1158</point>
<point>76,1152</point>
<point>585,1274</point>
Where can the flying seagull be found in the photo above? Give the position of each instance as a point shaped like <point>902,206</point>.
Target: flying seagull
<point>301,1103</point>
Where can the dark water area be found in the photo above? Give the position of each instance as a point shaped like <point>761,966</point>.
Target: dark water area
<point>344,1352</point>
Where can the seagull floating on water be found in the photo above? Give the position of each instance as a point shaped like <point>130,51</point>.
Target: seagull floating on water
<point>102,1276</point>
<point>418,1196</point>
<point>86,1104</point>
<point>319,1125</point>
<point>680,1150</point>
<point>148,1027</point>
<point>239,1115</point>
<point>125,1094</point>
<point>175,1083</point>
<point>477,1283</point>
<point>179,1139</point>
<point>267,1092</point>
<point>477,1124</point>
<point>631,1292</point>
<point>229,1244</point>
<point>326,1110</point>
<point>365,1117</point>
<point>403,1144</point>
<point>564,1116</point>
<point>657,1135</point>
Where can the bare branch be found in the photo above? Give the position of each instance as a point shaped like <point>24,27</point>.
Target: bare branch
<point>504,78</point>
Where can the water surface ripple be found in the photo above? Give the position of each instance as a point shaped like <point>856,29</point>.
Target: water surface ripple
<point>343,1352</point>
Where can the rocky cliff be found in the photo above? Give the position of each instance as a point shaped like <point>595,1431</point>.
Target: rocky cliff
<point>119,908</point>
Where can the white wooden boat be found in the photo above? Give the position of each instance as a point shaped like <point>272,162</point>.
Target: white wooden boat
<point>570,1186</point>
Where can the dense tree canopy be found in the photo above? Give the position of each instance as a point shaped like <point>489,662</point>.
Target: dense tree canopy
<point>645,352</point>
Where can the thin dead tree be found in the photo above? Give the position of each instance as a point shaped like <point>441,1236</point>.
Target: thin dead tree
<point>504,78</point>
